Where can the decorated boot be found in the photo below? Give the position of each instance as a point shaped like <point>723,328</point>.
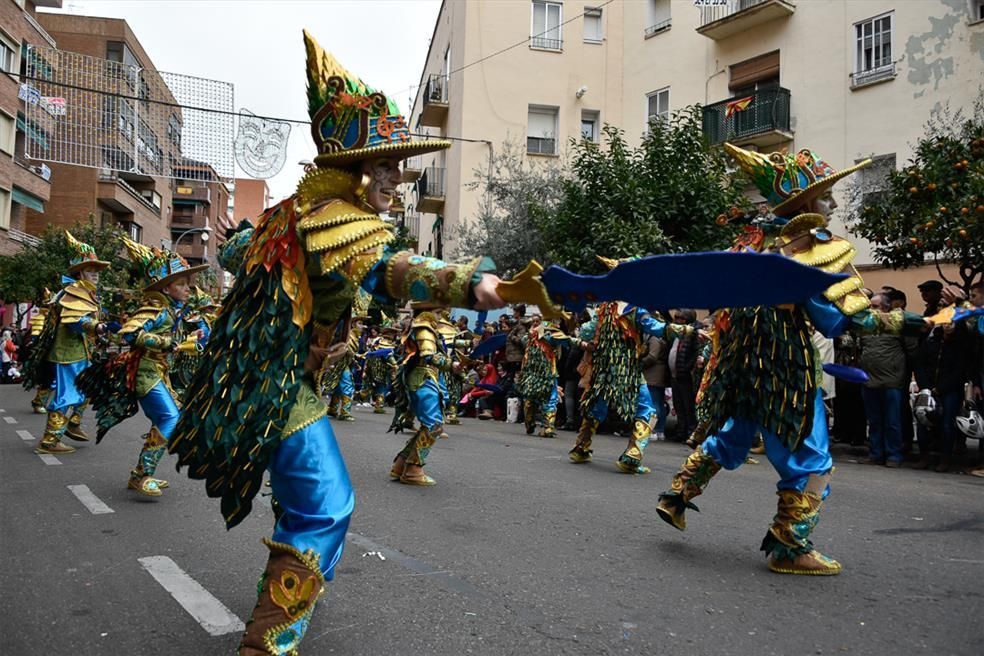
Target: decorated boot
<point>379,404</point>
<point>787,543</point>
<point>688,483</point>
<point>630,461</point>
<point>51,440</point>
<point>345,408</point>
<point>75,430</point>
<point>39,404</point>
<point>582,448</point>
<point>549,424</point>
<point>529,416</point>
<point>333,405</point>
<point>286,596</point>
<point>142,476</point>
<point>414,456</point>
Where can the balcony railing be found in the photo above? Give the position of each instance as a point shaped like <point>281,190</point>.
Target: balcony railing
<point>430,190</point>
<point>656,28</point>
<point>412,168</point>
<point>435,105</point>
<point>23,237</point>
<point>723,18</point>
<point>763,120</point>
<point>873,76</point>
<point>543,43</point>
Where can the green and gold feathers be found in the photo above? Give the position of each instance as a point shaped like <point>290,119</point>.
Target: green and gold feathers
<point>108,384</point>
<point>617,372</point>
<point>238,402</point>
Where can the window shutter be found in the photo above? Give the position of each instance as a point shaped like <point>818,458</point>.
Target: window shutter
<point>754,70</point>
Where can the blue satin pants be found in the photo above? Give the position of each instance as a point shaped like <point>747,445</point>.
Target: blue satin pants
<point>644,406</point>
<point>312,487</point>
<point>425,402</point>
<point>161,408</point>
<point>730,446</point>
<point>66,395</point>
<point>346,384</point>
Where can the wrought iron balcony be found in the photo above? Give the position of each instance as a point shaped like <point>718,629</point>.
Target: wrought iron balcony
<point>434,110</point>
<point>720,19</point>
<point>661,26</point>
<point>543,43</point>
<point>430,190</point>
<point>412,168</point>
<point>760,118</point>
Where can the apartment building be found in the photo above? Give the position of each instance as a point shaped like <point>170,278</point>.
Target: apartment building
<point>126,186</point>
<point>250,197</point>
<point>848,78</point>
<point>199,212</point>
<point>24,185</point>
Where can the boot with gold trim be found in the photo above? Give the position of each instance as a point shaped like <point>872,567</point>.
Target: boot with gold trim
<point>415,456</point>
<point>75,430</point>
<point>379,404</point>
<point>688,483</point>
<point>51,442</point>
<point>549,424</point>
<point>39,404</point>
<point>142,476</point>
<point>787,543</point>
<point>630,462</point>
<point>333,405</point>
<point>582,447</point>
<point>287,593</point>
<point>345,408</point>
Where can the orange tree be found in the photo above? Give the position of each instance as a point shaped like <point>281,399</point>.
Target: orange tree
<point>933,207</point>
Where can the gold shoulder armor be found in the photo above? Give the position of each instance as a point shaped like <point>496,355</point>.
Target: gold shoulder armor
<point>77,300</point>
<point>37,322</point>
<point>345,238</point>
<point>154,302</point>
<point>426,339</point>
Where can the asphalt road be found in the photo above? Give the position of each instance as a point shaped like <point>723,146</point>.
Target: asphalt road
<point>515,551</point>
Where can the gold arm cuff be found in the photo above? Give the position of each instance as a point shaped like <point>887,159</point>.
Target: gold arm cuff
<point>417,278</point>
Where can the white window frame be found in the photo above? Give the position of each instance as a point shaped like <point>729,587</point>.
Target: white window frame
<point>534,35</point>
<point>594,117</point>
<point>859,69</point>
<point>976,11</point>
<point>5,200</point>
<point>543,109</point>
<point>664,115</point>
<point>8,137</point>
<point>597,15</point>
<point>15,50</point>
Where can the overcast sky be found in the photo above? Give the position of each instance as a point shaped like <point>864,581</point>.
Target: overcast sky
<point>257,46</point>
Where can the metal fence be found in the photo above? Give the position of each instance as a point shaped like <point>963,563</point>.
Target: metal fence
<point>768,110</point>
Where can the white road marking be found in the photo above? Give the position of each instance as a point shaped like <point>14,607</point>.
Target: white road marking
<point>25,435</point>
<point>199,602</point>
<point>9,420</point>
<point>90,500</point>
<point>49,459</point>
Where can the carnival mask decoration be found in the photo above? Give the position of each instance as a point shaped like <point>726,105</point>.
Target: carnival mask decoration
<point>261,145</point>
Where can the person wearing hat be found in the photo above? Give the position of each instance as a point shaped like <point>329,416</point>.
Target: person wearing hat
<point>380,367</point>
<point>538,383</point>
<point>931,292</point>
<point>765,372</point>
<point>158,330</point>
<point>253,406</point>
<point>337,379</point>
<point>66,346</point>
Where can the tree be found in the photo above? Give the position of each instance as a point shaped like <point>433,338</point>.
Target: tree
<point>933,207</point>
<point>664,196</point>
<point>516,193</point>
<point>25,275</point>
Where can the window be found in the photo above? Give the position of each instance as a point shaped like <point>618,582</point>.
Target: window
<point>152,197</point>
<point>589,126</point>
<point>593,32</point>
<point>873,42</point>
<point>657,17</point>
<point>125,118</point>
<point>8,133</point>
<point>976,10</point>
<point>8,55</point>
<point>658,105</point>
<point>541,132</point>
<point>132,230</point>
<point>4,209</point>
<point>174,130</point>
<point>547,17</point>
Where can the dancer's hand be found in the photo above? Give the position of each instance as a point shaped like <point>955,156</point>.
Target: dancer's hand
<point>486,297</point>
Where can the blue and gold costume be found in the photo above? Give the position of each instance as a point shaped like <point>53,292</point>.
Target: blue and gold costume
<point>253,405</point>
<point>617,336</point>
<point>377,375</point>
<point>65,347</point>
<point>538,377</point>
<point>764,372</point>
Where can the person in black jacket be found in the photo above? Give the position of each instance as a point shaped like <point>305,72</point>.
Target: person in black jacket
<point>682,361</point>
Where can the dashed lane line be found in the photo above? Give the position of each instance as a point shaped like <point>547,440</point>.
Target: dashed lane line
<point>9,419</point>
<point>208,611</point>
<point>25,435</point>
<point>49,459</point>
<point>90,500</point>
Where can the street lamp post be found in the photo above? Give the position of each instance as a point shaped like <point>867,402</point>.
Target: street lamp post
<point>205,232</point>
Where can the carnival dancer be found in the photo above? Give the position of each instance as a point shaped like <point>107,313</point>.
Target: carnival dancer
<point>199,314</point>
<point>451,381</point>
<point>615,339</point>
<point>158,330</point>
<point>338,377</point>
<point>380,365</point>
<point>65,347</point>
<point>39,404</point>
<point>253,405</point>
<point>538,376</point>
<point>765,370</point>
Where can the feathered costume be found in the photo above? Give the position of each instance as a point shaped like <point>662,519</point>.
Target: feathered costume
<point>159,331</point>
<point>538,378</point>
<point>763,373</point>
<point>378,373</point>
<point>253,405</point>
<point>64,347</point>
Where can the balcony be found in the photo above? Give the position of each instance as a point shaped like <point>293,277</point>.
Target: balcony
<point>719,21</point>
<point>412,168</point>
<point>192,193</point>
<point>435,108</point>
<point>763,121</point>
<point>543,43</point>
<point>873,76</point>
<point>430,191</point>
<point>117,195</point>
<point>659,27</point>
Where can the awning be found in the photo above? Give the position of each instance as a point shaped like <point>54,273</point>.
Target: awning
<point>27,200</point>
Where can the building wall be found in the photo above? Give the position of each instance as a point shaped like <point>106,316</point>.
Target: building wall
<point>250,198</point>
<point>15,171</point>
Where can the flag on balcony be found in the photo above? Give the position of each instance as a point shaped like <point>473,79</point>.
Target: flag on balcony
<point>739,105</point>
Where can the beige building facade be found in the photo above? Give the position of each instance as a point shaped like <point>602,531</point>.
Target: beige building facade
<point>847,78</point>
